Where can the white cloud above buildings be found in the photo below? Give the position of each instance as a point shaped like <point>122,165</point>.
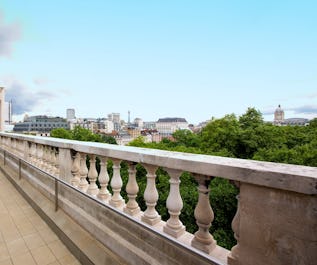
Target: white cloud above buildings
<point>25,100</point>
<point>9,34</point>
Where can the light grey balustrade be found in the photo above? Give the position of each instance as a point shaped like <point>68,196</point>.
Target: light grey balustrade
<point>75,170</point>
<point>104,194</point>
<point>83,172</point>
<point>150,215</point>
<point>132,189</point>
<point>204,215</point>
<point>92,176</point>
<point>174,204</point>
<point>116,185</point>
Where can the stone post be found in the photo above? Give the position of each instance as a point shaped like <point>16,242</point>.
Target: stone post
<point>65,164</point>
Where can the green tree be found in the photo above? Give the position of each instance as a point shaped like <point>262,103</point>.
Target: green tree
<point>313,123</point>
<point>81,134</point>
<point>220,136</point>
<point>251,119</point>
<point>186,138</point>
<point>247,137</point>
<point>61,133</point>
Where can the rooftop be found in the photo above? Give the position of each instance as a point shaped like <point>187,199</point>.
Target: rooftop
<point>25,239</point>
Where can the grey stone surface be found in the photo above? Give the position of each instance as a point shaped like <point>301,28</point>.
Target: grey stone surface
<point>300,179</point>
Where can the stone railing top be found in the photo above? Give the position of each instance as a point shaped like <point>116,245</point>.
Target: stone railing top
<point>295,178</point>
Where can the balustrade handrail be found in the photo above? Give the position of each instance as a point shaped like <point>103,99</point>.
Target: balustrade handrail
<point>301,179</point>
<point>57,180</point>
<point>275,204</point>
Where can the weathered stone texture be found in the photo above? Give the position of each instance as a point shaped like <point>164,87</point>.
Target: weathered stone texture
<point>276,227</point>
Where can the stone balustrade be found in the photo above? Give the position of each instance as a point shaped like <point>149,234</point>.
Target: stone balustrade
<point>275,222</point>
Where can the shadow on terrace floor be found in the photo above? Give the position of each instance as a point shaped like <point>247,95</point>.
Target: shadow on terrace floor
<point>25,238</point>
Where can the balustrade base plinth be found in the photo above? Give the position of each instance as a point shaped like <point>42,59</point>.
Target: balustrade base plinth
<point>207,248</point>
<point>132,212</point>
<point>232,260</point>
<point>151,221</point>
<point>117,203</point>
<point>174,232</point>
<point>105,198</point>
<point>93,192</point>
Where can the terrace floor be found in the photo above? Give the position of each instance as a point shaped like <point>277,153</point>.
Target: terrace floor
<point>25,238</point>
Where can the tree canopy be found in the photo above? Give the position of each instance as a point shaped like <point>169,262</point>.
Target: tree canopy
<point>82,134</point>
<point>247,137</point>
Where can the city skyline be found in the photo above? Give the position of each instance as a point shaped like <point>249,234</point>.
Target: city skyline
<point>192,60</point>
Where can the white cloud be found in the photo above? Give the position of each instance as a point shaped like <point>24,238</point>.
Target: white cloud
<point>9,33</point>
<point>23,99</point>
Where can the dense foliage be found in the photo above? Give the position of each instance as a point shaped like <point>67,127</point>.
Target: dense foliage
<point>82,134</point>
<point>247,137</point>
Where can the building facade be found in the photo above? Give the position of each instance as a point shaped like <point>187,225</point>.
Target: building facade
<point>70,114</point>
<point>40,124</point>
<point>167,126</point>
<point>279,115</point>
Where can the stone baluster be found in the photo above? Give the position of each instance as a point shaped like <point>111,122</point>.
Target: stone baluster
<point>204,215</point>
<point>49,160</point>
<point>20,146</point>
<point>92,175</point>
<point>174,204</point>
<point>57,166</point>
<point>83,172</point>
<point>27,150</point>
<point>14,146</point>
<point>42,157</point>
<point>75,171</point>
<point>53,160</point>
<point>132,189</point>
<point>39,153</point>
<point>45,158</point>
<point>116,184</point>
<point>4,141</point>
<point>30,158</point>
<point>233,257</point>
<point>9,144</point>
<point>104,194</point>
<point>33,153</point>
<point>150,216</point>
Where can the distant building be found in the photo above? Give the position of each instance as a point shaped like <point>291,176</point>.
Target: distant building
<point>296,121</point>
<point>70,114</point>
<point>278,115</point>
<point>115,118</point>
<point>40,124</point>
<point>149,125</point>
<point>279,119</point>
<point>5,112</point>
<point>138,123</point>
<point>166,126</point>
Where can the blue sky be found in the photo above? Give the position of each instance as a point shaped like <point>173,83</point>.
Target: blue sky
<point>191,59</point>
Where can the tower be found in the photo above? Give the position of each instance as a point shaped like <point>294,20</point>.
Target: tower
<point>129,117</point>
<point>70,114</point>
<point>278,115</point>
